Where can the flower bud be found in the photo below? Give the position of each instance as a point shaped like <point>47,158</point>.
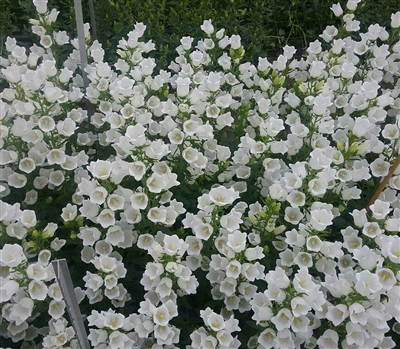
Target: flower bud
<point>279,230</point>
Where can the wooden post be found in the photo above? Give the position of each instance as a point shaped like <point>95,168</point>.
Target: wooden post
<point>384,182</point>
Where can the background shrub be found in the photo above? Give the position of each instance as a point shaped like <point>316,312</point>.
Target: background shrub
<point>264,26</point>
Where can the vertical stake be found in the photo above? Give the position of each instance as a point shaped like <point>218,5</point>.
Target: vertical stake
<point>92,20</point>
<point>82,52</point>
<point>81,40</point>
<point>384,182</point>
<point>67,289</point>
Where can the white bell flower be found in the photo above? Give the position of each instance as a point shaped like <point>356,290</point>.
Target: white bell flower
<point>100,169</point>
<point>21,311</point>
<point>161,316</point>
<point>267,338</point>
<point>278,277</point>
<point>106,218</point>
<point>8,288</point>
<point>89,235</point>
<point>329,340</point>
<point>115,235</point>
<point>367,283</point>
<point>164,287</point>
<point>56,309</point>
<point>283,319</point>
<point>17,180</point>
<point>337,313</point>
<point>11,255</point>
<point>237,241</point>
<point>173,245</point>
<point>228,286</point>
<point>36,271</point>
<point>303,282</point>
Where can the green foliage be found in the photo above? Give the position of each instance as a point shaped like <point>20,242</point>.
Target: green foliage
<point>264,26</point>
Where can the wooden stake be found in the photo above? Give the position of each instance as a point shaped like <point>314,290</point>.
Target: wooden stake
<point>384,182</point>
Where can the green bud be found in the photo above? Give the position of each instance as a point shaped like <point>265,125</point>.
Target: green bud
<point>79,220</point>
<point>46,235</point>
<point>266,250</point>
<point>67,224</point>
<point>73,235</point>
<point>340,146</point>
<point>354,148</point>
<point>279,230</point>
<point>121,53</point>
<point>31,244</point>
<point>302,88</point>
<point>181,232</point>
<point>253,218</point>
<point>320,85</point>
<point>49,200</point>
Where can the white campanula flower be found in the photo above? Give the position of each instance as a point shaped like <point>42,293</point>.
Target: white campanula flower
<point>37,290</point>
<point>115,202</point>
<point>395,20</point>
<point>320,219</point>
<point>36,271</point>
<point>303,281</point>
<point>237,241</point>
<point>28,218</point>
<point>69,213</point>
<point>380,209</point>
<point>40,5</point>
<point>17,230</point>
<point>386,278</point>
<point>157,215</point>
<point>100,169</point>
<point>328,340</point>
<point>267,338</point>
<point>367,283</point>
<point>253,254</point>
<point>115,235</point>
<point>207,27</point>
<point>57,244</point>
<point>44,257</point>
<point>282,319</point>
<point>278,278</point>
<point>164,287</point>
<point>17,180</point>
<point>222,196</point>
<point>22,310</point>
<point>296,198</point>
<point>56,178</point>
<point>66,127</point>
<point>337,313</point>
<point>8,289</point>
<point>203,231</point>
<point>356,335</point>
<point>293,215</point>
<point>173,245</point>
<point>89,235</point>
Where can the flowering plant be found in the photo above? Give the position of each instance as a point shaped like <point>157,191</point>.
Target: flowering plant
<point>219,204</point>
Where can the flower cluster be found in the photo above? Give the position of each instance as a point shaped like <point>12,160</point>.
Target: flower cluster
<point>218,332</point>
<point>239,188</point>
<point>167,276</point>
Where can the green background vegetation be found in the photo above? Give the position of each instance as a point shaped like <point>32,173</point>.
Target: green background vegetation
<point>264,25</point>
